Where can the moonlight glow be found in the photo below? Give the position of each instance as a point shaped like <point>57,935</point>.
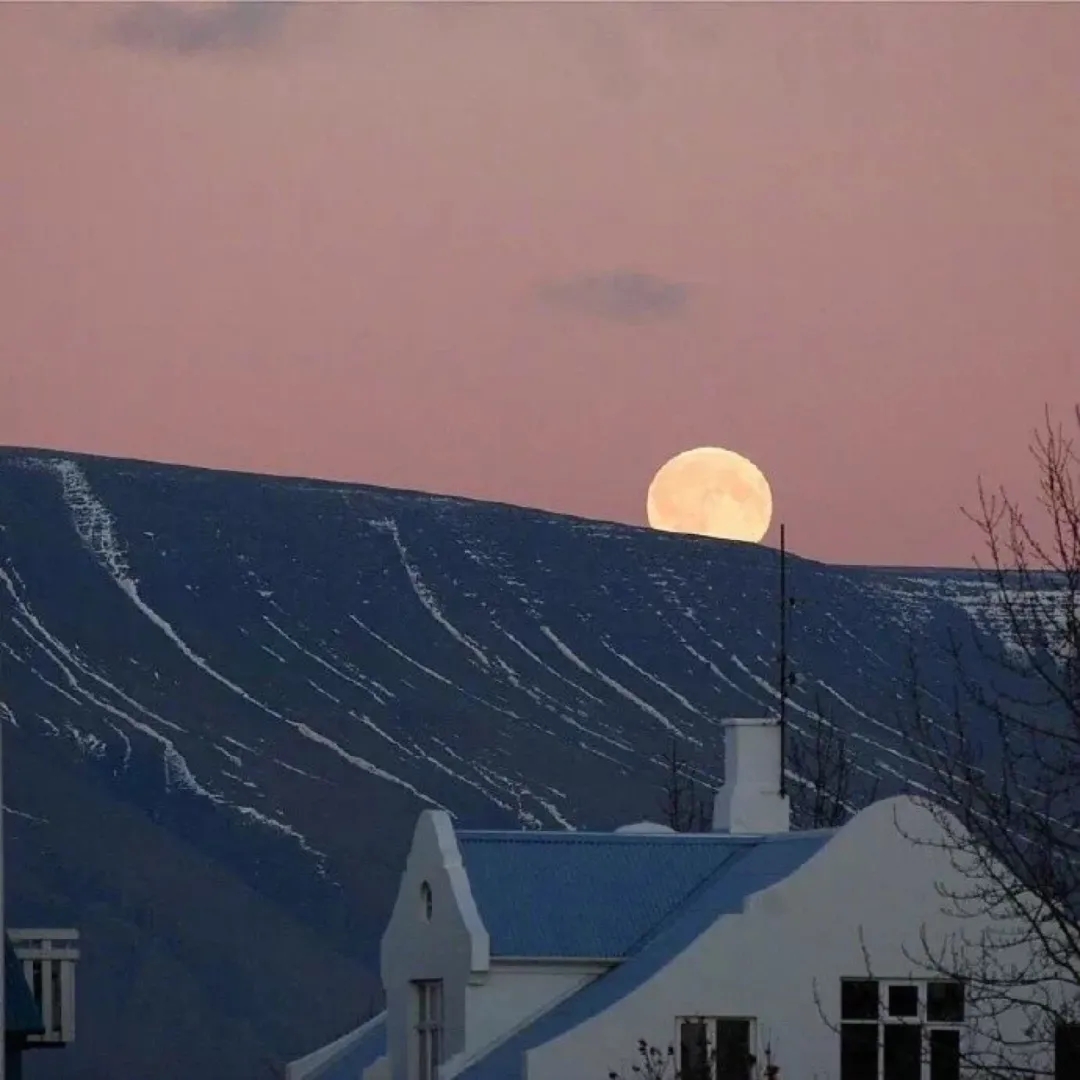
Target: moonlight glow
<point>711,492</point>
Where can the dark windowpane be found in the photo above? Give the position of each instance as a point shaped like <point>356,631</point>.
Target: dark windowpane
<point>858,1052</point>
<point>945,1002</point>
<point>858,999</point>
<point>425,1060</point>
<point>903,1052</point>
<point>1067,1052</point>
<point>733,1050</point>
<point>945,1054</point>
<point>35,981</point>
<point>903,1001</point>
<point>693,1050</point>
<point>57,996</point>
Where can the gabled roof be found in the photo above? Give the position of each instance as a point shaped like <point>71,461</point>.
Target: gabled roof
<point>21,1014</point>
<point>592,895</point>
<point>757,863</point>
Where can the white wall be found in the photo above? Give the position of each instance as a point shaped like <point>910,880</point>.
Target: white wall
<point>451,947</point>
<point>764,963</point>
<point>511,994</point>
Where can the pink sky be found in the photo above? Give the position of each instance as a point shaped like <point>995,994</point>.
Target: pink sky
<point>384,244</point>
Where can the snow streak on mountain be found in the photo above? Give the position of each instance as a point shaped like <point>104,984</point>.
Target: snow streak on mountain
<point>225,699</point>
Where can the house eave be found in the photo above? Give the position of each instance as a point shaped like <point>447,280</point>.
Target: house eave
<point>321,1060</point>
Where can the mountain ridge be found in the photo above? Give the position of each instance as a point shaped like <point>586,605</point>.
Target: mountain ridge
<point>301,481</point>
<point>255,683</point>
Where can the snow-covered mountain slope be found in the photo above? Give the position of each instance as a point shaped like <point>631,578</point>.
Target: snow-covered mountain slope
<point>227,697</point>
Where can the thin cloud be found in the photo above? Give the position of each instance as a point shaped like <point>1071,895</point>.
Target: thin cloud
<point>622,296</point>
<point>192,29</point>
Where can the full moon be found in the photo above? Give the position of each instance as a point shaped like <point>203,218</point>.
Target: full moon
<point>711,492</point>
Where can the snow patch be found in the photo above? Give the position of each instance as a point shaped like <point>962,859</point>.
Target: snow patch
<point>94,525</point>
<point>615,685</point>
<point>426,597</point>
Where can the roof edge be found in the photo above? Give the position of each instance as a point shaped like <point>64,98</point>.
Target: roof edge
<point>508,959</point>
<point>317,1062</point>
<point>457,873</point>
<point>570,837</point>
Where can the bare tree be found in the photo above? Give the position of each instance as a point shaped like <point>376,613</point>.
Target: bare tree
<point>1002,764</point>
<point>684,805</point>
<point>656,1064</point>
<point>829,792</point>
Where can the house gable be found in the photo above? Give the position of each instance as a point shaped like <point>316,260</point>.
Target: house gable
<point>434,932</point>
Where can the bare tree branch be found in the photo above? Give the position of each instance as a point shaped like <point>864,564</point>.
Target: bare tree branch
<point>684,806</point>
<point>828,793</point>
<point>1003,771</point>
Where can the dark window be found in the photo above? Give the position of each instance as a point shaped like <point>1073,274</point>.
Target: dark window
<point>733,1061</point>
<point>945,1054</point>
<point>57,996</point>
<point>694,1050</point>
<point>903,1052</point>
<point>428,1028</point>
<point>859,999</point>
<point>858,1052</point>
<point>903,1001</point>
<point>35,981</point>
<point>945,1002</point>
<point>1067,1052</point>
<point>436,1046</point>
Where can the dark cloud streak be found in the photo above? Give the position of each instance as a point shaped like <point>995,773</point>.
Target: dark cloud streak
<point>622,296</point>
<point>195,29</point>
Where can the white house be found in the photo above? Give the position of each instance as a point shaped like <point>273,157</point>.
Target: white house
<point>547,956</point>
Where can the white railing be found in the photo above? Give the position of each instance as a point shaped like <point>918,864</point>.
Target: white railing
<point>48,960</point>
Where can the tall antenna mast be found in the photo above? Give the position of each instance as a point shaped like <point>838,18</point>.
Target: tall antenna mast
<point>783,662</point>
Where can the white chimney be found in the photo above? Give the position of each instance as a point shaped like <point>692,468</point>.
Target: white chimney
<point>749,801</point>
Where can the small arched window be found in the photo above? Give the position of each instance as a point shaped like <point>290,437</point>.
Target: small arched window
<point>425,901</point>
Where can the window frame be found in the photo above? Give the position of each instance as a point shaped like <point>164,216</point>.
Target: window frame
<point>1066,1045</point>
<point>428,1029</point>
<point>711,1040</point>
<point>883,1020</point>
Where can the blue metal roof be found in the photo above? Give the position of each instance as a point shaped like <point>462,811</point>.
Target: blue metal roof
<point>759,862</point>
<point>367,1049</point>
<point>586,895</point>
<point>21,1014</point>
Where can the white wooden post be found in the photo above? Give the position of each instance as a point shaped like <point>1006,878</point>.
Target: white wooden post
<point>49,959</point>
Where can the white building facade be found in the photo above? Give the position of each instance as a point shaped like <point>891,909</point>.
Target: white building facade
<point>548,956</point>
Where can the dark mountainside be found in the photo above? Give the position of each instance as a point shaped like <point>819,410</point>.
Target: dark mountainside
<point>226,698</point>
